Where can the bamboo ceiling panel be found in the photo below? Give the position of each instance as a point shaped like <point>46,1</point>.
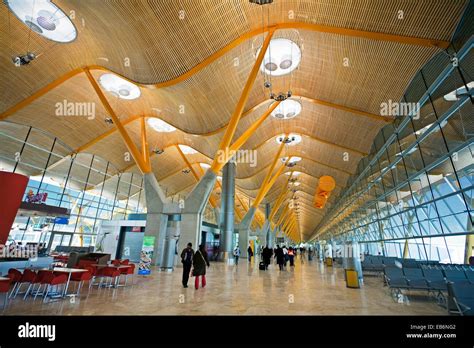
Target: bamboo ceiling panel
<point>165,41</point>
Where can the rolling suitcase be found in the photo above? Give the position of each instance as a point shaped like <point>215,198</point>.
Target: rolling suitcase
<point>261,266</point>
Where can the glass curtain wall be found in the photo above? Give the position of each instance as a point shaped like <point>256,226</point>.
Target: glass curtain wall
<point>417,184</point>
<point>92,189</point>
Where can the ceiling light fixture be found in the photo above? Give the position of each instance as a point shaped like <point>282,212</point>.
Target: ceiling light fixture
<point>160,126</point>
<point>295,173</point>
<point>45,18</point>
<point>205,165</point>
<point>187,150</point>
<point>282,57</point>
<point>261,2</point>
<point>119,87</point>
<point>293,159</point>
<point>287,109</point>
<point>291,139</point>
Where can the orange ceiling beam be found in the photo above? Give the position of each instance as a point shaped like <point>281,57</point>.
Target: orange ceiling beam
<point>136,154</point>
<point>213,57</point>
<point>239,108</point>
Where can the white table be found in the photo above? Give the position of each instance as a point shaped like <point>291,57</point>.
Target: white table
<point>114,266</point>
<point>70,271</point>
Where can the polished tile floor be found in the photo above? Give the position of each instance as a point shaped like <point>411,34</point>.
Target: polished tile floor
<point>307,289</point>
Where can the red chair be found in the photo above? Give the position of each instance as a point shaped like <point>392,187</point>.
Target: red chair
<point>96,273</point>
<point>5,288</point>
<point>44,279</point>
<point>128,271</point>
<point>55,281</point>
<point>116,262</point>
<point>112,273</point>
<point>15,277</point>
<point>125,262</point>
<point>85,263</point>
<point>82,277</point>
<point>27,277</point>
<point>37,280</point>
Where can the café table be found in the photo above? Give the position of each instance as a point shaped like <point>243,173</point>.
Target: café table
<point>70,271</point>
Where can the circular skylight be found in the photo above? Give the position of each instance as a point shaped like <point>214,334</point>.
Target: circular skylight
<point>119,87</point>
<point>282,57</point>
<point>295,173</point>
<point>187,150</point>
<point>288,108</point>
<point>45,18</point>
<point>160,125</point>
<point>291,139</point>
<point>293,159</point>
<point>205,165</point>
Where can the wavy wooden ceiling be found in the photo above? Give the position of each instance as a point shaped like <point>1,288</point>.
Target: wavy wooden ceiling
<point>162,47</point>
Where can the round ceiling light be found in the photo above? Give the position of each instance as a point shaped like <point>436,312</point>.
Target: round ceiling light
<point>187,150</point>
<point>287,109</point>
<point>282,57</point>
<point>293,159</point>
<point>119,87</point>
<point>160,125</point>
<point>45,18</point>
<point>295,173</point>
<point>291,139</point>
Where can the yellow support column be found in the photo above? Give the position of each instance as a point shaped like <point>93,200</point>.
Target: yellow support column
<point>136,154</point>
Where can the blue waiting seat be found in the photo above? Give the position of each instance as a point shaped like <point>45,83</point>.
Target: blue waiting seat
<point>395,278</point>
<point>462,296</point>
<point>455,276</point>
<point>416,279</point>
<point>470,276</point>
<point>435,279</point>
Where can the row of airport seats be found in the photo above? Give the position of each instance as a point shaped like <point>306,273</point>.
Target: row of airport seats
<point>458,284</point>
<point>378,263</point>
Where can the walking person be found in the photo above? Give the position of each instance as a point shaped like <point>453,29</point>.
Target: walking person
<point>267,256</point>
<point>280,257</point>
<point>200,261</point>
<point>250,253</point>
<point>291,255</point>
<point>187,261</point>
<point>236,254</point>
<point>285,255</point>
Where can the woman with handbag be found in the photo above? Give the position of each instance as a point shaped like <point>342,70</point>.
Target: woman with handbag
<point>200,261</point>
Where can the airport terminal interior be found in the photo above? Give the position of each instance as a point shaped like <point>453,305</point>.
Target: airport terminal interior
<point>237,157</point>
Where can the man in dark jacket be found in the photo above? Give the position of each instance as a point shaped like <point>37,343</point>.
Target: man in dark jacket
<point>267,255</point>
<point>280,256</point>
<point>187,260</point>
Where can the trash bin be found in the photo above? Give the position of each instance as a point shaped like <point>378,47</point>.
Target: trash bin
<point>352,279</point>
<point>329,261</point>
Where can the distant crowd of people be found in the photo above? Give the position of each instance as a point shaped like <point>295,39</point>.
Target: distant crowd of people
<point>284,255</point>
<point>195,263</point>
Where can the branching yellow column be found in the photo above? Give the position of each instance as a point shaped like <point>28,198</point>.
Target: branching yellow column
<point>145,149</point>
<point>136,154</point>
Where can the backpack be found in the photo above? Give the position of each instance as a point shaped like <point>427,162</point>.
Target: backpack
<point>188,256</point>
